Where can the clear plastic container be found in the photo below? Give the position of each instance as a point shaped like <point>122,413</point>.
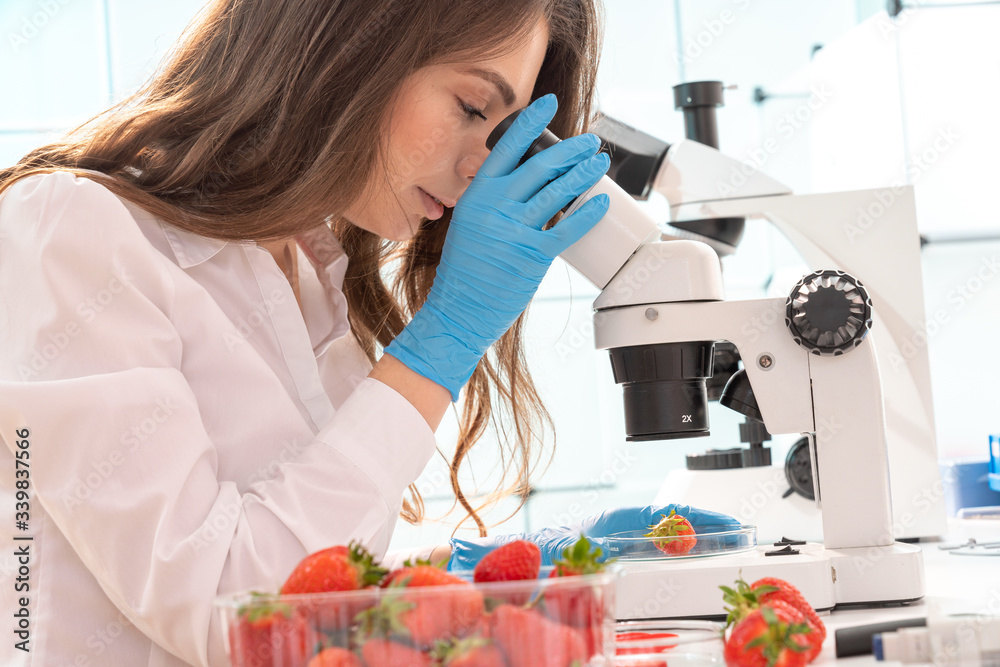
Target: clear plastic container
<point>709,541</point>
<point>677,643</point>
<point>544,621</point>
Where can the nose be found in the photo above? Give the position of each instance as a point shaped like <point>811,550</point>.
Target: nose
<point>472,160</point>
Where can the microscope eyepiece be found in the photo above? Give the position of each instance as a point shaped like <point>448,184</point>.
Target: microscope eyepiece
<point>544,140</point>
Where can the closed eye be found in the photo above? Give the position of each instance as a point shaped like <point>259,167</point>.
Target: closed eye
<point>470,111</point>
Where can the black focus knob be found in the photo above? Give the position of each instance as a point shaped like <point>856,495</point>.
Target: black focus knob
<point>829,312</point>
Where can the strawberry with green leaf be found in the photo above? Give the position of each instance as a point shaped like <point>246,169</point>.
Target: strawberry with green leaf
<point>676,535</point>
<point>745,598</point>
<point>568,602</point>
<point>411,612</point>
<point>473,651</point>
<point>773,635</point>
<point>338,568</point>
<point>268,633</point>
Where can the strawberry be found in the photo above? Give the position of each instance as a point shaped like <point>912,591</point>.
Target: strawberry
<point>528,639</point>
<point>764,591</point>
<point>470,652</point>
<point>677,533</point>
<point>385,653</point>
<point>570,603</point>
<point>267,634</point>
<point>512,561</point>
<point>335,657</point>
<point>338,568</point>
<point>788,593</point>
<point>424,616</point>
<point>771,636</point>
<point>407,565</point>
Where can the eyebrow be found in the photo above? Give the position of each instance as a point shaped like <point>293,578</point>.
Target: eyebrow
<point>494,77</point>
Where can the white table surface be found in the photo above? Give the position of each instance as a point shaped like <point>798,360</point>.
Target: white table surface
<point>954,584</point>
<point>958,584</point>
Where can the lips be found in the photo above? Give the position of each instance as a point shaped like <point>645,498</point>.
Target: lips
<point>433,206</point>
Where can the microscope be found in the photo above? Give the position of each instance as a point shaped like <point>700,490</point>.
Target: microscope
<point>810,362</point>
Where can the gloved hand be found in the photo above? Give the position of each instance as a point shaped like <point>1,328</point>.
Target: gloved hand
<point>496,253</point>
<point>552,541</point>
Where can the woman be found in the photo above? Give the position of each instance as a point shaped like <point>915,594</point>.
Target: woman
<point>180,276</point>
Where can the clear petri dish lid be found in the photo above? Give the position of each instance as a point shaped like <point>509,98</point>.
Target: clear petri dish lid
<point>708,540</point>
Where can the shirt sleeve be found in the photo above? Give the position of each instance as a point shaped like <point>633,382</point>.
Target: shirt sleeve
<point>163,535</point>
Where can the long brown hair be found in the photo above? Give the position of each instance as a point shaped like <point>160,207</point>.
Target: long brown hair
<point>266,120</point>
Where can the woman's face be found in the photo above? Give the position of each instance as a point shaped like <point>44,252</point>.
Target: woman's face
<point>437,136</point>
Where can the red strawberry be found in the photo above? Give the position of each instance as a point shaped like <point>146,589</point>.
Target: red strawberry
<point>790,594</point>
<point>528,639</point>
<point>335,657</point>
<point>567,602</point>
<point>512,561</point>
<point>771,636</point>
<point>335,569</point>
<point>470,652</point>
<point>765,591</point>
<point>424,616</point>
<point>407,564</point>
<point>677,533</point>
<point>385,653</point>
<point>267,634</point>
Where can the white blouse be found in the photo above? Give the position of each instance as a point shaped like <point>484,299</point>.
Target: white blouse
<point>190,430</point>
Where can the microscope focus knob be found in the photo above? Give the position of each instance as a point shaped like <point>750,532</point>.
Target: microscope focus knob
<point>829,312</point>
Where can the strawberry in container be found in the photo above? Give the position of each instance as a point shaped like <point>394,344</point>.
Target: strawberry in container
<point>422,605</point>
<point>338,569</point>
<point>581,607</point>
<point>270,633</point>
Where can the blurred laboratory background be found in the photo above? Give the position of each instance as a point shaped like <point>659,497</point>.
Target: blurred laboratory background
<point>822,96</point>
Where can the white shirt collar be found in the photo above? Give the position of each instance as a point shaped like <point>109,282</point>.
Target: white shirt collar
<point>191,249</point>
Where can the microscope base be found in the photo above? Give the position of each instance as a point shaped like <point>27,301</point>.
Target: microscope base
<point>689,588</point>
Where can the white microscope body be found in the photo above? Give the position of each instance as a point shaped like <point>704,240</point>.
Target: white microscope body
<point>657,292</point>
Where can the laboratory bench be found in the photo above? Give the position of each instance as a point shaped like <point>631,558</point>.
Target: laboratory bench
<point>958,584</point>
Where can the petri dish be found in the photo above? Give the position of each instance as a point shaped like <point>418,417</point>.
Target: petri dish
<point>710,540</point>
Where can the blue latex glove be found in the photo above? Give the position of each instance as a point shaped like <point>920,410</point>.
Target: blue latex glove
<point>496,253</point>
<point>552,541</point>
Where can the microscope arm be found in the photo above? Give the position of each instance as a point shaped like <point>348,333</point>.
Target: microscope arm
<point>837,398</point>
